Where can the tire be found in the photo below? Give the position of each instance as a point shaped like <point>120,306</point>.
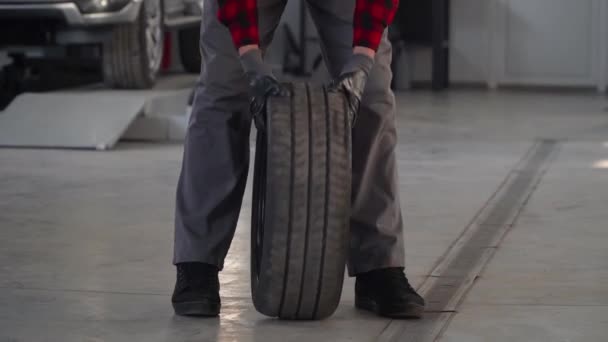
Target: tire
<point>301,205</point>
<point>189,52</point>
<point>132,57</point>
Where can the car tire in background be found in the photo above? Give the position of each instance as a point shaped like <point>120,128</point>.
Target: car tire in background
<point>189,52</point>
<point>133,55</point>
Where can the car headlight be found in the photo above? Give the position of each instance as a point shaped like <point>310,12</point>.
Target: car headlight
<point>96,6</point>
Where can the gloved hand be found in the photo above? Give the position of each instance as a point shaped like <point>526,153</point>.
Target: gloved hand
<point>262,84</point>
<point>352,82</point>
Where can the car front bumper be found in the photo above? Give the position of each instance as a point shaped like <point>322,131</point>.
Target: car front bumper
<point>70,13</point>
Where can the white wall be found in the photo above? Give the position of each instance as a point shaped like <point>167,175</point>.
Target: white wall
<point>470,40</point>
<point>547,42</point>
<point>519,42</point>
<point>469,45</point>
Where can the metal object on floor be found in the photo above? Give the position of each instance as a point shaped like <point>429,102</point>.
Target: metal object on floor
<point>90,120</point>
<point>165,118</point>
<point>93,117</point>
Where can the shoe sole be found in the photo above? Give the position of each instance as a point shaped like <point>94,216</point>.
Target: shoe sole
<point>200,309</point>
<point>410,311</point>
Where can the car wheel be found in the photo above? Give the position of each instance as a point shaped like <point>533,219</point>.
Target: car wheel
<point>133,55</point>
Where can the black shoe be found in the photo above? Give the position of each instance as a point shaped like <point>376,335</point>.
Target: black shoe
<point>388,293</point>
<point>197,290</point>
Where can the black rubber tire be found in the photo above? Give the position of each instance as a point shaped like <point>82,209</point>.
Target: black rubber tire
<point>189,52</point>
<point>301,205</point>
<point>125,57</point>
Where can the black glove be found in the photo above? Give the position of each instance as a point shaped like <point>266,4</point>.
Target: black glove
<point>352,82</point>
<point>262,84</point>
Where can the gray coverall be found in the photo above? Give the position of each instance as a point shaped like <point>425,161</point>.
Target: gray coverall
<point>216,154</point>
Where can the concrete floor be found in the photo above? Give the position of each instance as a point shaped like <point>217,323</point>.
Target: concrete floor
<point>86,237</point>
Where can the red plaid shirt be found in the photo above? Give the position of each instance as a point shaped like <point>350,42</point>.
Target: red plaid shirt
<point>370,19</point>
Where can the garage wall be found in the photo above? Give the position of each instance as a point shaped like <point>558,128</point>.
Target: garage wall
<point>517,42</point>
<point>470,32</point>
<point>470,41</point>
<point>548,42</point>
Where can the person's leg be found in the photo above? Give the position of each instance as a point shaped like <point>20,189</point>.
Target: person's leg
<point>376,222</point>
<point>376,246</point>
<point>216,152</point>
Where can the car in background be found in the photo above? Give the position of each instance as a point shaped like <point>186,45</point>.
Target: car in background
<point>124,37</point>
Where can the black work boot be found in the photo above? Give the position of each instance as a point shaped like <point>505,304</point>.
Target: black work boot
<point>388,293</point>
<point>197,290</point>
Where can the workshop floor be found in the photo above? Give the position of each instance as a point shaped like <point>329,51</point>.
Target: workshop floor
<point>86,237</point>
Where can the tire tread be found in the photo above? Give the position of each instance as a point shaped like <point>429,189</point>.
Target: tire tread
<point>125,60</point>
<point>306,233</point>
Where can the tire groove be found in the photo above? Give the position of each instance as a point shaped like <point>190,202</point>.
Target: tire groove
<point>308,197</point>
<point>326,201</point>
<point>291,193</point>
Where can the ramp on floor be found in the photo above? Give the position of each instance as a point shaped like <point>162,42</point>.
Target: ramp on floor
<point>93,120</point>
<point>89,118</point>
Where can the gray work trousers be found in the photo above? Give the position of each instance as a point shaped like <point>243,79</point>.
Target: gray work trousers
<point>216,154</point>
